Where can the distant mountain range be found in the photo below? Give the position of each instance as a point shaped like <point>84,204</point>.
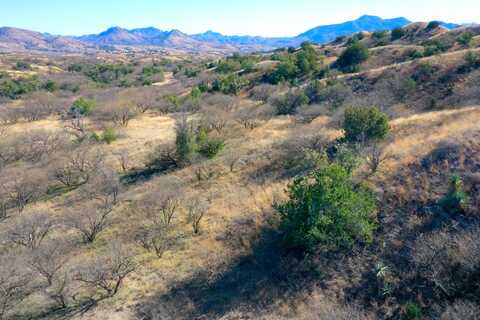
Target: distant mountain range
<point>18,39</point>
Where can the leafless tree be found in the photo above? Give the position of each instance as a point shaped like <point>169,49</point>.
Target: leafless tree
<point>32,146</point>
<point>124,159</point>
<point>163,157</point>
<point>154,238</point>
<point>88,221</point>
<point>38,107</point>
<point>104,186</point>
<point>29,230</point>
<point>14,283</point>
<point>120,113</point>
<point>10,115</point>
<point>77,127</point>
<point>58,290</point>
<point>3,131</point>
<point>375,157</point>
<point>196,209</point>
<point>23,186</point>
<point>106,272</point>
<point>461,311</point>
<point>48,261</point>
<point>215,119</point>
<point>160,206</point>
<point>250,118</point>
<point>263,92</point>
<point>146,100</point>
<point>76,168</point>
<point>445,258</point>
<point>232,158</point>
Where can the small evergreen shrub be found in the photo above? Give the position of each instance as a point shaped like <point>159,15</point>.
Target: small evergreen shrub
<point>109,135</point>
<point>397,34</point>
<point>82,106</point>
<point>432,25</point>
<point>352,57</point>
<point>362,124</point>
<point>456,200</point>
<point>465,39</point>
<point>211,147</point>
<point>412,312</point>
<point>326,210</point>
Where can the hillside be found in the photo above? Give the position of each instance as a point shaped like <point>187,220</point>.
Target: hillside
<point>17,39</point>
<point>335,181</point>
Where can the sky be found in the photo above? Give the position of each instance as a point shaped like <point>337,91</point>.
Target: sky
<point>240,17</point>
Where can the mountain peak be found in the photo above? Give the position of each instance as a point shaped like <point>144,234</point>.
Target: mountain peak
<point>328,33</point>
<point>114,29</point>
<point>369,17</point>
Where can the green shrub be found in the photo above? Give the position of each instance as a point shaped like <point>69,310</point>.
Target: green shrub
<point>397,34</point>
<point>423,72</point>
<point>415,54</point>
<point>14,88</point>
<point>151,70</point>
<point>109,135</point>
<point>412,312</point>
<point>326,210</point>
<point>284,72</point>
<point>433,25</point>
<point>433,47</point>
<point>211,147</point>
<point>231,84</point>
<point>335,94</point>
<point>185,141</point>
<point>289,103</point>
<point>95,137</point>
<point>378,35</point>
<point>347,157</point>
<point>82,106</point>
<point>107,73</point>
<point>472,60</point>
<point>352,56</point>
<point>22,66</point>
<point>456,200</point>
<point>50,86</point>
<point>363,124</point>
<point>307,60</point>
<point>67,86</point>
<point>465,39</point>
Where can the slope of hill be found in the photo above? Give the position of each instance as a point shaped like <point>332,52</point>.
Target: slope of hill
<point>328,33</point>
<point>142,187</point>
<point>18,39</point>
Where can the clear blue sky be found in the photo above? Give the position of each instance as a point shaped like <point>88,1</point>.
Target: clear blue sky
<point>255,17</point>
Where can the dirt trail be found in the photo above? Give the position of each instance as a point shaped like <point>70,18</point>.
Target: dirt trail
<point>168,80</point>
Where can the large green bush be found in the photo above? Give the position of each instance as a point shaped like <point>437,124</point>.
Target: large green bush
<point>14,88</point>
<point>363,124</point>
<point>326,210</point>
<point>231,84</point>
<point>352,56</point>
<point>397,33</point>
<point>82,106</point>
<point>465,39</point>
<point>211,147</point>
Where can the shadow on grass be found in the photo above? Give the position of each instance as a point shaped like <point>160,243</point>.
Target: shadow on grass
<point>253,282</point>
<point>143,174</point>
<point>71,311</point>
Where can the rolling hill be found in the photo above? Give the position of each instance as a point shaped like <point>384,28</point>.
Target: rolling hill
<point>18,39</point>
